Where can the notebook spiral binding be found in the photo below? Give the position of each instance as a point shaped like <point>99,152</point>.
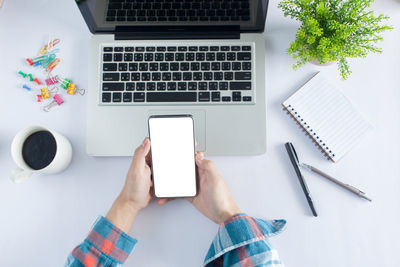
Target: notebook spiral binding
<point>304,127</point>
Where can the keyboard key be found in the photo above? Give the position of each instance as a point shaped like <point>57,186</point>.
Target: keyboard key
<point>138,97</point>
<point>240,85</point>
<point>171,48</point>
<point>107,57</point>
<point>220,56</point>
<point>226,99</point>
<point>129,49</point>
<point>153,66</point>
<point>151,86</point>
<point>127,97</point>
<point>171,86</point>
<point>182,86</point>
<point>208,76</point>
<point>235,48</point>
<point>156,76</point>
<point>200,56</point>
<point>177,76</point>
<point>128,57</point>
<point>110,67</point>
<point>164,66</point>
<point>247,98</point>
<point>148,56</point>
<point>133,66</point>
<point>166,76</point>
<point>171,97</point>
<point>246,48</point>
<point>138,57</point>
<point>223,86</point>
<point>146,76</point>
<point>228,75</point>
<point>106,97</point>
<point>215,96</point>
<point>205,66</point>
<point>118,57</point>
<point>159,56</point>
<point>116,97</point>
<point>139,49</point>
<point>236,96</point>
<point>143,66</point>
<point>130,86</point>
<point>179,56</point>
<point>107,49</point>
<point>135,76</point>
<point>193,48</point>
<point>242,76</point>
<point>218,76</point>
<point>110,76</point>
<point>169,56</point>
<point>246,65</point>
<point>140,86</point>
<point>125,76</point>
<point>161,48</point>
<point>194,66</point>
<point>161,86</point>
<point>236,66</point>
<point>174,66</point>
<point>215,66</point>
<point>197,76</point>
<point>182,48</point>
<point>225,48</point>
<point>122,66</point>
<point>203,48</point>
<point>214,48</point>
<point>231,56</point>
<point>187,76</point>
<point>189,56</point>
<point>204,96</point>
<point>243,56</point>
<point>192,86</point>
<point>113,86</point>
<point>150,49</point>
<point>118,49</point>
<point>202,86</point>
<point>212,86</point>
<point>185,66</point>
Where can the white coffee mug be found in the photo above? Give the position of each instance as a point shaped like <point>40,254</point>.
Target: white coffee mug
<point>60,161</point>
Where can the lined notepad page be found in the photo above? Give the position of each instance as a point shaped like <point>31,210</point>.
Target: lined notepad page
<point>327,116</point>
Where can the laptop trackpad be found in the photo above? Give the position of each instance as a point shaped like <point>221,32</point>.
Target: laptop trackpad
<point>199,117</point>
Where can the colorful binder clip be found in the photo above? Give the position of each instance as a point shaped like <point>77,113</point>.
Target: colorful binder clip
<point>57,100</point>
<point>51,80</point>
<point>72,90</point>
<point>45,93</point>
<point>65,83</point>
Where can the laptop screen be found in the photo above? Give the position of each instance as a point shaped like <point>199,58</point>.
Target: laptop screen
<point>103,16</point>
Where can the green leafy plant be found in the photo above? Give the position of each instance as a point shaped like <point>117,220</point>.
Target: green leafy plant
<point>333,30</point>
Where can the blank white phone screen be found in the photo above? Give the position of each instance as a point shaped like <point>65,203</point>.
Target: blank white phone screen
<point>173,156</point>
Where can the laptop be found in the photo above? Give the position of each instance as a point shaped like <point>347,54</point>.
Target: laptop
<point>205,58</point>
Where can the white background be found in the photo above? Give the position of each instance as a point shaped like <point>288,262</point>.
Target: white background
<point>45,217</point>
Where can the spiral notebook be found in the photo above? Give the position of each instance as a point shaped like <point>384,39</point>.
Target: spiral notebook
<point>327,117</point>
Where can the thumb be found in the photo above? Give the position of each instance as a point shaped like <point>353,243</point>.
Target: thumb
<point>142,151</point>
<point>199,158</point>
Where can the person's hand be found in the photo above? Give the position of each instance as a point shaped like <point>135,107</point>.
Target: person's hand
<point>213,199</point>
<point>138,183</point>
<point>137,191</point>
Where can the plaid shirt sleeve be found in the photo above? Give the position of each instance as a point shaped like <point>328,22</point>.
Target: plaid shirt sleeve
<point>242,241</point>
<point>106,245</point>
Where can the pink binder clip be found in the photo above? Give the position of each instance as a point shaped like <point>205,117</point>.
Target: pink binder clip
<point>57,100</point>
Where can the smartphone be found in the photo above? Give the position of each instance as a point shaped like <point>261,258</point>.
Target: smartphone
<point>173,155</point>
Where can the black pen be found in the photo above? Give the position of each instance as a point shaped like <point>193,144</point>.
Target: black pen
<point>296,165</point>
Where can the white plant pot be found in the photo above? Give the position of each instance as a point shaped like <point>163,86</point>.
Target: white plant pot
<point>315,62</point>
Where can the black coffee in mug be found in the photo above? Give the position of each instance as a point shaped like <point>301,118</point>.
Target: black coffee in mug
<point>39,149</point>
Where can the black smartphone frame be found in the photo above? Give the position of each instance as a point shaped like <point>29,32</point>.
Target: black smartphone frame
<point>194,149</point>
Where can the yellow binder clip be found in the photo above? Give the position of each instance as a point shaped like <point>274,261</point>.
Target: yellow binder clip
<point>45,93</point>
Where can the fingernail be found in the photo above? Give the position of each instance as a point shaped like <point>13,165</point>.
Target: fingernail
<point>144,142</point>
<point>201,156</point>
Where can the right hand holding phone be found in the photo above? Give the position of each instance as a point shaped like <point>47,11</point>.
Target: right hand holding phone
<point>213,199</point>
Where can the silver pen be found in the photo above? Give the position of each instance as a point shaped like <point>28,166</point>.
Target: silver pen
<point>346,186</point>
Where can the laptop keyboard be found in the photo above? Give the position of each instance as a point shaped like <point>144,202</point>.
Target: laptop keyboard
<point>188,10</point>
<point>177,74</point>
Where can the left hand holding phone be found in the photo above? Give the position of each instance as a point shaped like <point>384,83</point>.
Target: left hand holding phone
<point>137,191</point>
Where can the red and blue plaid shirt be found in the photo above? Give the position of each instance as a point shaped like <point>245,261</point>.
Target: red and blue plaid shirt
<point>240,241</point>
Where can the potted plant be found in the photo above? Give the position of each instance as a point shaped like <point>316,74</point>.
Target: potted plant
<point>333,30</point>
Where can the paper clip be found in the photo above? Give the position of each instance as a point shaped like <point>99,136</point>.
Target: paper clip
<point>45,93</point>
<point>36,80</point>
<point>22,74</point>
<point>53,64</point>
<point>52,80</point>
<point>49,45</point>
<point>39,98</point>
<point>26,87</point>
<point>57,100</point>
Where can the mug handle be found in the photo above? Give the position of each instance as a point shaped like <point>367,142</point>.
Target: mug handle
<point>19,175</point>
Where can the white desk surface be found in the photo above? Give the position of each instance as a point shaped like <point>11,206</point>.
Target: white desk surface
<point>45,217</point>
